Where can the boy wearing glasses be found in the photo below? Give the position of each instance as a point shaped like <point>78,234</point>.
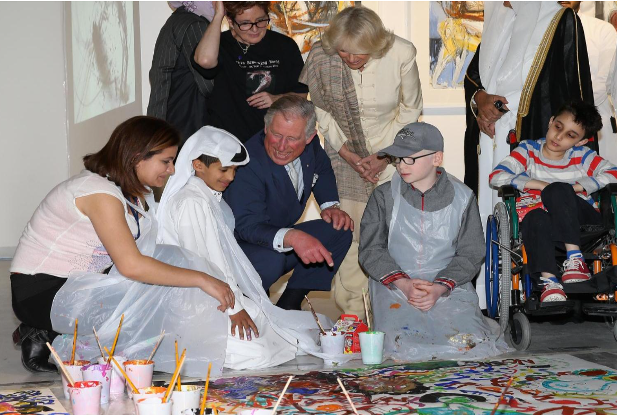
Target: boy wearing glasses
<point>421,242</point>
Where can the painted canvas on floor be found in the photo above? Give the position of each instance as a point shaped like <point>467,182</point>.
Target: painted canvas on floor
<point>28,402</point>
<point>304,21</point>
<point>557,384</point>
<point>455,29</point>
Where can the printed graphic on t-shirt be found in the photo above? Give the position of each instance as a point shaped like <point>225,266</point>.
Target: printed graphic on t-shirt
<point>260,75</point>
<point>258,81</point>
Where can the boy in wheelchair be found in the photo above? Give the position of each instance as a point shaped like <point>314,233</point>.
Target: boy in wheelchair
<point>561,174</point>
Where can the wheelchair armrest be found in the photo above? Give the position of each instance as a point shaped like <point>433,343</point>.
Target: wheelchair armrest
<point>508,191</point>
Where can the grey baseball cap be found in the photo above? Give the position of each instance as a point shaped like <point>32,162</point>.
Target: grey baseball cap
<point>413,138</point>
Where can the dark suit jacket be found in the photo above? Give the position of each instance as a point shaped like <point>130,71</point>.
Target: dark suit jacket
<point>262,196</point>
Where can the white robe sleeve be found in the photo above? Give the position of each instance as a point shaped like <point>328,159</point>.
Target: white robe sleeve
<point>197,231</point>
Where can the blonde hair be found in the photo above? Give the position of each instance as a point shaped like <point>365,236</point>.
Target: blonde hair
<point>357,30</point>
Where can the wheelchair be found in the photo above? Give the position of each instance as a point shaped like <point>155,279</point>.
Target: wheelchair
<point>511,294</point>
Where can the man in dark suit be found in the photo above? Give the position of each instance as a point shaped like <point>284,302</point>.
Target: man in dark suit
<point>269,195</point>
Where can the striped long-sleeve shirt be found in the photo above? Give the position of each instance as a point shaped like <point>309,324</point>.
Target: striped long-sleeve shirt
<point>580,165</point>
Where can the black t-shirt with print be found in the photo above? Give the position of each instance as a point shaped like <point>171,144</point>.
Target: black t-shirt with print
<point>273,65</point>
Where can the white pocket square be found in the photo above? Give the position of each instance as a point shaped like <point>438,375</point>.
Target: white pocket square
<point>315,179</point>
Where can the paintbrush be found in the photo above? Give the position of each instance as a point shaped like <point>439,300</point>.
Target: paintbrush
<point>96,336</point>
<point>347,395</point>
<point>72,360</point>
<point>366,304</point>
<point>61,365</point>
<point>125,375</point>
<point>286,384</point>
<point>508,385</point>
<point>176,374</point>
<point>176,347</point>
<point>315,316</point>
<point>116,339</point>
<point>203,406</point>
<point>156,345</point>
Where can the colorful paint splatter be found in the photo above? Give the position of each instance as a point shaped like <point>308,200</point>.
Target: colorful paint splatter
<point>559,384</point>
<point>28,402</point>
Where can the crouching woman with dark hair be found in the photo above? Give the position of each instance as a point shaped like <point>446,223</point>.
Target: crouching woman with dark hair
<point>93,221</point>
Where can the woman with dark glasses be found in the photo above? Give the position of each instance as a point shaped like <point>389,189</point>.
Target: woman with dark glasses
<point>251,66</point>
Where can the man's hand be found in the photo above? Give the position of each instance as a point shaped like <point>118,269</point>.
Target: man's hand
<point>488,128</point>
<point>307,247</point>
<point>338,217</point>
<point>433,293</point>
<point>245,325</point>
<point>220,291</point>
<point>487,111</point>
<point>412,288</point>
<point>262,100</point>
<point>373,166</point>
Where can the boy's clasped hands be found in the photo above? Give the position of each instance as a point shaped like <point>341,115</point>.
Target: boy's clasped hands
<point>420,293</point>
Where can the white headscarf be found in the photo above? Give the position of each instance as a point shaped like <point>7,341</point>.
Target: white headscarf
<point>209,141</point>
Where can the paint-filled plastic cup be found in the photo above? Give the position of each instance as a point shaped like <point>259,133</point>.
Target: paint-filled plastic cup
<point>187,400</point>
<point>154,406</point>
<point>101,373</point>
<point>147,393</point>
<point>117,382</point>
<point>256,412</point>
<point>75,371</point>
<point>86,397</point>
<point>332,344</point>
<point>140,373</point>
<point>372,344</point>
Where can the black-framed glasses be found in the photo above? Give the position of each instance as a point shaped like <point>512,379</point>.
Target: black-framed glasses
<point>408,160</point>
<point>262,23</point>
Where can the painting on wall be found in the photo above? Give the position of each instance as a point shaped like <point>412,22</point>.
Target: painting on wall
<point>103,46</point>
<point>304,21</point>
<point>455,29</point>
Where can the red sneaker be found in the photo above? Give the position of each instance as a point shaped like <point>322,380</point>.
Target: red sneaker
<point>575,270</point>
<point>552,292</point>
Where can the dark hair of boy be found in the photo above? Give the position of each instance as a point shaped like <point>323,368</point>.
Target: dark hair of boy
<point>209,160</point>
<point>586,115</point>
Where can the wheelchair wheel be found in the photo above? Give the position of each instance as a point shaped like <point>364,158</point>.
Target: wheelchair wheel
<point>518,332</point>
<point>504,238</point>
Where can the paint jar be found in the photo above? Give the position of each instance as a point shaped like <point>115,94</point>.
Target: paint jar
<point>116,387</point>
<point>75,371</point>
<point>154,406</point>
<point>147,393</point>
<point>372,344</point>
<point>332,345</point>
<point>86,397</point>
<point>101,373</point>
<point>140,373</point>
<point>187,400</point>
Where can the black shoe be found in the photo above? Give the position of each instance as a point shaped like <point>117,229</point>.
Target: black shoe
<point>292,298</point>
<point>34,352</point>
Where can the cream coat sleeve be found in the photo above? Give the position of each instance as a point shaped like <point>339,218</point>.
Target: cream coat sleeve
<point>330,129</point>
<point>197,232</point>
<point>410,95</point>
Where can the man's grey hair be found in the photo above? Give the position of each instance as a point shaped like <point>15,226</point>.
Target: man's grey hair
<point>291,105</point>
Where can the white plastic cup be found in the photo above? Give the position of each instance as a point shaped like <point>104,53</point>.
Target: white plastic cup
<point>86,397</point>
<point>140,373</point>
<point>332,344</point>
<point>76,373</point>
<point>147,393</point>
<point>101,373</point>
<point>372,344</point>
<point>187,400</point>
<point>117,383</point>
<point>154,406</point>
